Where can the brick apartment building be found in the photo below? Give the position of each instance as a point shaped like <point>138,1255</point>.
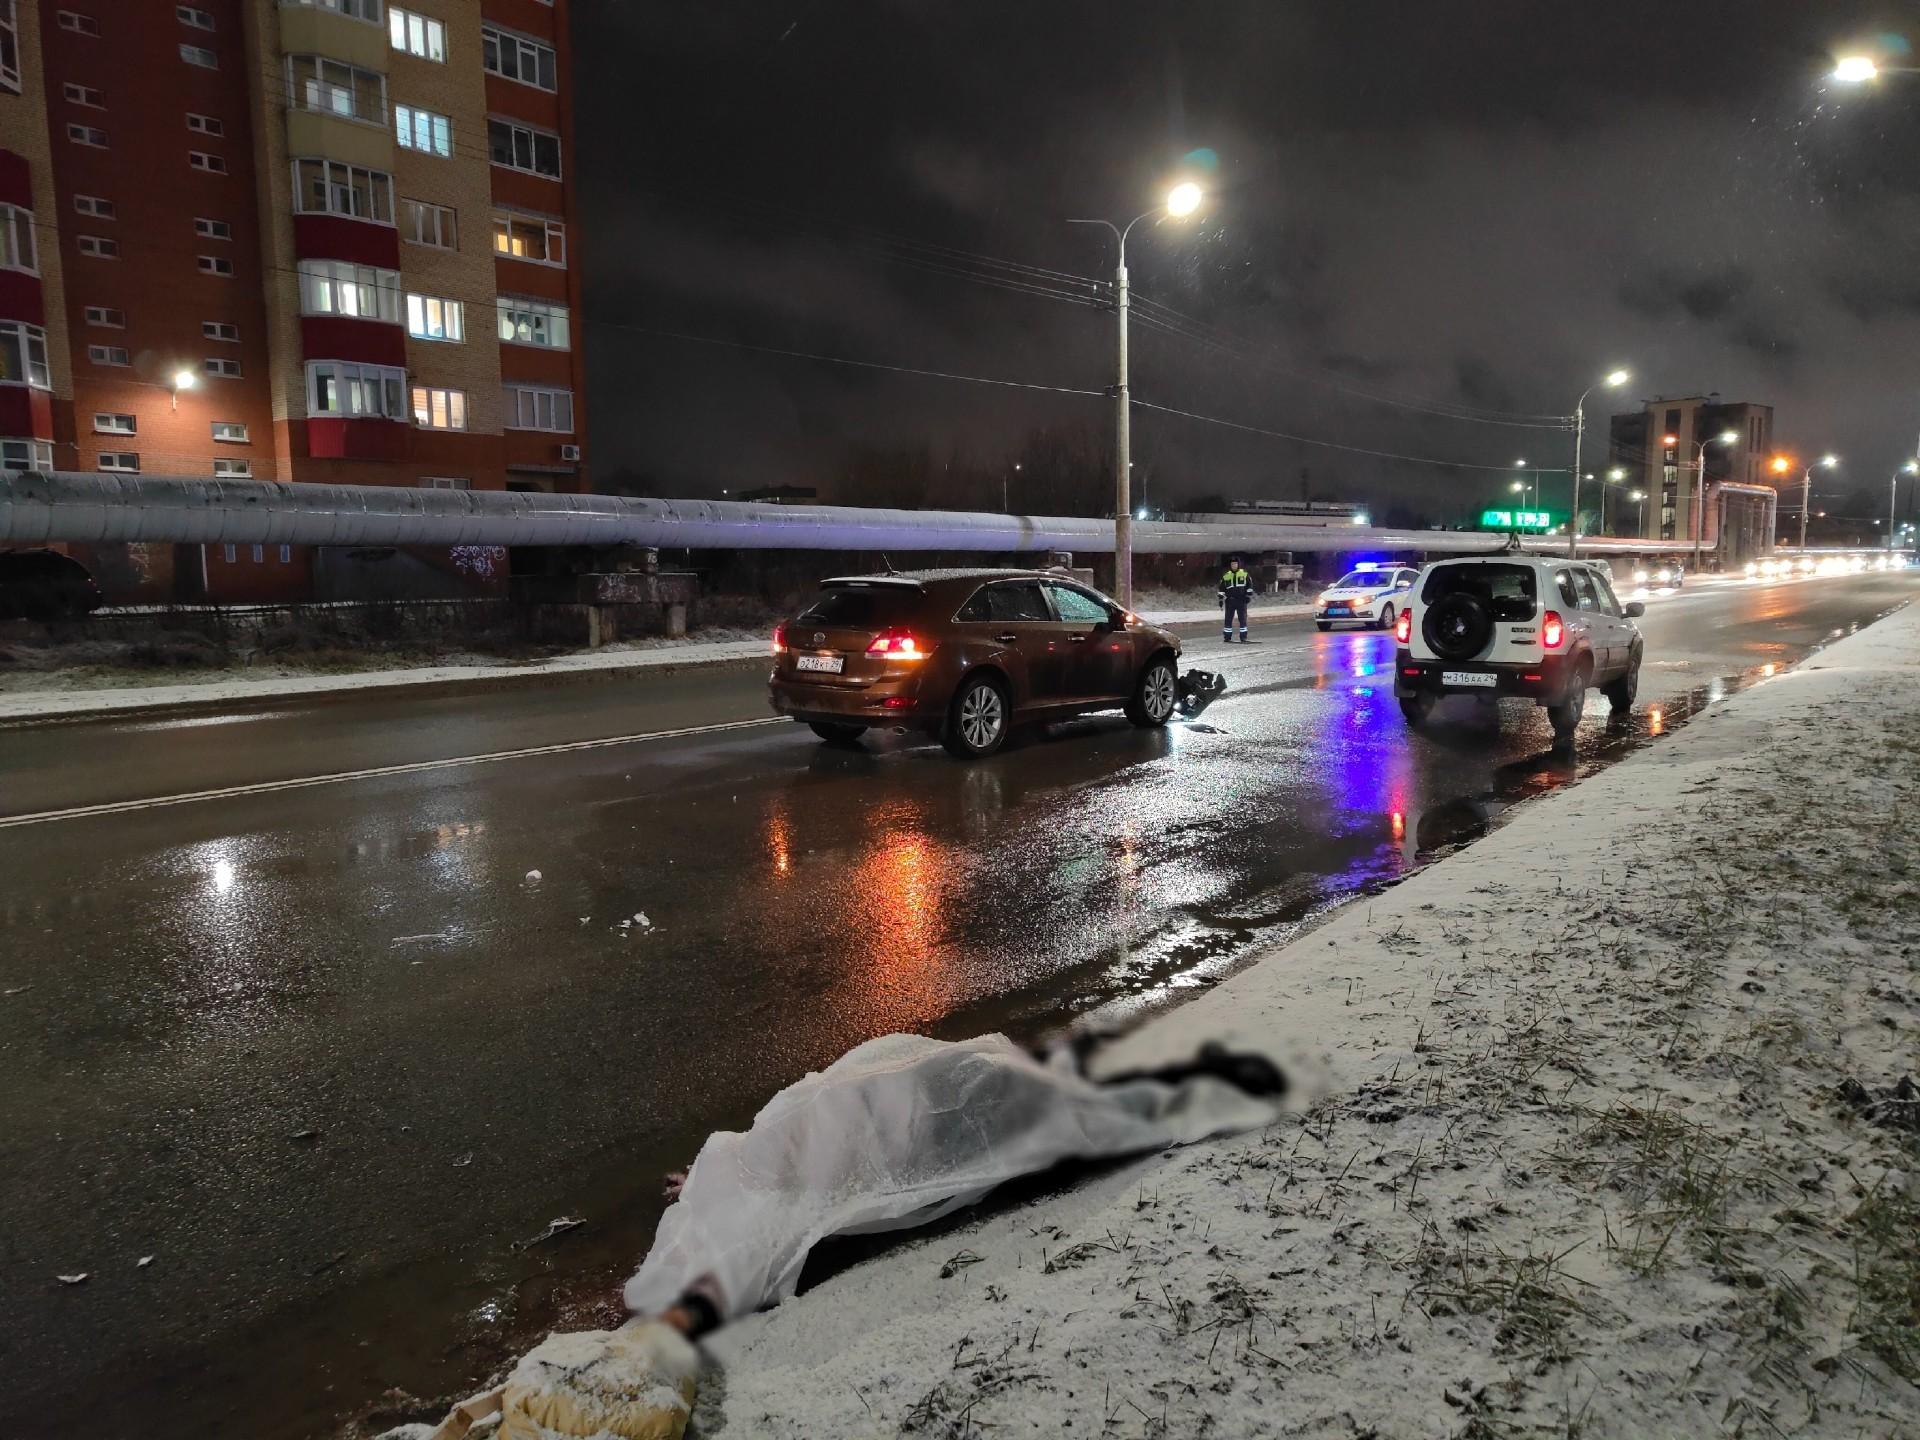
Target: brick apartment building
<point>285,241</point>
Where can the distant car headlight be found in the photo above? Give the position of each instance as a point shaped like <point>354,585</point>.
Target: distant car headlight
<point>1640,577</point>
<point>1752,569</point>
<point>1665,577</point>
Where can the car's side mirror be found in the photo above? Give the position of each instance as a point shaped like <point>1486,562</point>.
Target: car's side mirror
<point>1635,610</point>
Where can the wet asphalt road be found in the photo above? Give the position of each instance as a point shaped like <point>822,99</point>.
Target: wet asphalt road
<point>328,1055</point>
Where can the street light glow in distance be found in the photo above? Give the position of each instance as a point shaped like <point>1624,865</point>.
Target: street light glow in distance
<point>1856,70</point>
<point>1617,378</point>
<point>1183,200</point>
<point>185,379</point>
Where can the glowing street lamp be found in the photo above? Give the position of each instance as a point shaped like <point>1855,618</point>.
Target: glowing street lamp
<point>1912,467</point>
<point>1725,437</point>
<point>1825,462</point>
<point>183,379</point>
<point>1856,70</point>
<point>1613,380</point>
<point>1180,203</point>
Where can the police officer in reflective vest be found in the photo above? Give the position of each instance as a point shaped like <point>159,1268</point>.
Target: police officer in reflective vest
<point>1236,589</point>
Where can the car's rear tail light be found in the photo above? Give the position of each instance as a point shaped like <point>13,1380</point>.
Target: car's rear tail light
<point>1553,630</point>
<point>1410,670</point>
<point>896,645</point>
<point>1403,627</point>
<point>780,639</point>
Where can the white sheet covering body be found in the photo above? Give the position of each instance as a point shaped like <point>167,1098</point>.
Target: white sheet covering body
<point>898,1132</point>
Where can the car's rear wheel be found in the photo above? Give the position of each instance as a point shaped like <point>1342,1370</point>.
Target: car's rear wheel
<point>1154,697</point>
<point>836,734</point>
<point>977,720</point>
<point>1623,692</point>
<point>1323,624</point>
<point>1417,707</point>
<point>1565,715</point>
<point>1386,619</point>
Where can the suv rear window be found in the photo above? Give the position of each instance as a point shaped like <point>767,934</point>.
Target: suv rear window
<point>1507,589</point>
<point>856,609</point>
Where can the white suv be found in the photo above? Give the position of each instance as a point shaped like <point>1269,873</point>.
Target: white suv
<point>1497,625</point>
<point>1371,594</point>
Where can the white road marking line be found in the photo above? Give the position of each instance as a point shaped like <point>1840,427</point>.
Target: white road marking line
<point>268,787</point>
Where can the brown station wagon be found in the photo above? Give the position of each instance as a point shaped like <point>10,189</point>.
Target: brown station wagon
<point>965,655</point>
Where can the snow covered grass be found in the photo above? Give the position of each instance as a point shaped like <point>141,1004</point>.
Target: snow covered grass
<point>1603,1138</point>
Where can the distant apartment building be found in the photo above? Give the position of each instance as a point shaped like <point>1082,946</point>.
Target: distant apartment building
<point>1657,448</point>
<point>286,241</point>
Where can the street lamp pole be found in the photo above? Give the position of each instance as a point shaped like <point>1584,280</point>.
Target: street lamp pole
<point>1639,498</point>
<point>1613,380</point>
<point>1806,493</point>
<point>1725,437</point>
<point>1182,201</point>
<point>1912,467</point>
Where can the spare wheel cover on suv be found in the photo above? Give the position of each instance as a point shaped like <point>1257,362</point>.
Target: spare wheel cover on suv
<point>1458,626</point>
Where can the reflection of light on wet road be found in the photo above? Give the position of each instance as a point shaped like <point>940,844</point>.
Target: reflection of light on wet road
<point>1656,720</point>
<point>893,915</point>
<point>222,875</point>
<point>779,842</point>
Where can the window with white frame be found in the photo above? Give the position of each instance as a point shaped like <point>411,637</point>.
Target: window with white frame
<point>516,57</point>
<point>201,56</point>
<point>84,95</point>
<point>334,87</point>
<point>98,246</point>
<point>417,34</point>
<point>119,462</point>
<point>205,124</point>
<point>437,409</point>
<point>340,287</point>
<point>332,187</point>
<point>212,229</point>
<point>90,135</point>
<point>23,355</point>
<point>229,553</point>
<point>17,248</point>
<point>533,322</point>
<point>445,482</point>
<point>233,470</point>
<point>423,130</point>
<point>9,47</point>
<point>93,205</point>
<point>26,455</point>
<point>534,407</point>
<point>201,160</point>
<point>352,9</point>
<point>221,369</point>
<point>530,237</point>
<point>106,317</point>
<point>286,554</point>
<point>343,387</point>
<point>431,318</point>
<point>220,330</point>
<point>229,432</point>
<point>197,18</point>
<point>423,223</point>
<point>521,147</point>
<point>110,423</point>
<point>79,24</point>
<point>216,265</point>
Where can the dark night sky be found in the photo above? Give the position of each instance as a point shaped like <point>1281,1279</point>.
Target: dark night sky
<point>1479,202</point>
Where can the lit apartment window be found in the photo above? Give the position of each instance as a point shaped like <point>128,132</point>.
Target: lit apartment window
<point>215,265</point>
<point>93,205</point>
<point>17,248</point>
<point>416,34</point>
<point>336,88</point>
<point>201,56</point>
<point>222,369</point>
<point>424,224</point>
<point>108,318</point>
<point>198,19</point>
<point>79,24</point>
<point>533,322</point>
<point>339,287</point>
<point>114,424</point>
<point>9,48</point>
<point>423,130</point>
<point>119,462</point>
<point>98,246</point>
<point>341,387</point>
<point>529,237</point>
<point>201,160</point>
<point>437,409</point>
<point>205,125</point>
<point>84,95</point>
<point>230,432</point>
<point>519,147</point>
<point>431,318</point>
<point>352,9</point>
<point>23,355</point>
<point>212,229</point>
<point>235,470</point>
<point>88,135</point>
<point>26,455</point>
<point>331,187</point>
<point>109,355</point>
<point>445,482</point>
<point>286,551</point>
<point>518,58</point>
<point>220,330</point>
<point>530,407</point>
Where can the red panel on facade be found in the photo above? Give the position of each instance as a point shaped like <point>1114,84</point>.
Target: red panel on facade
<point>335,337</point>
<point>335,237</point>
<point>332,437</point>
<point>16,180</point>
<point>20,298</point>
<point>26,413</point>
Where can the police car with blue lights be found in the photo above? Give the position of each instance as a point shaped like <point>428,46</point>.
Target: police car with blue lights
<point>1369,594</point>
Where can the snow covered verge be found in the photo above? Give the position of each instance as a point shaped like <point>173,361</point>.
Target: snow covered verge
<point>1602,1142</point>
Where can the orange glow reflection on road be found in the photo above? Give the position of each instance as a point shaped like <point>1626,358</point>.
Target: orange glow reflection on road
<point>779,843</point>
<point>894,914</point>
<point>1656,720</point>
